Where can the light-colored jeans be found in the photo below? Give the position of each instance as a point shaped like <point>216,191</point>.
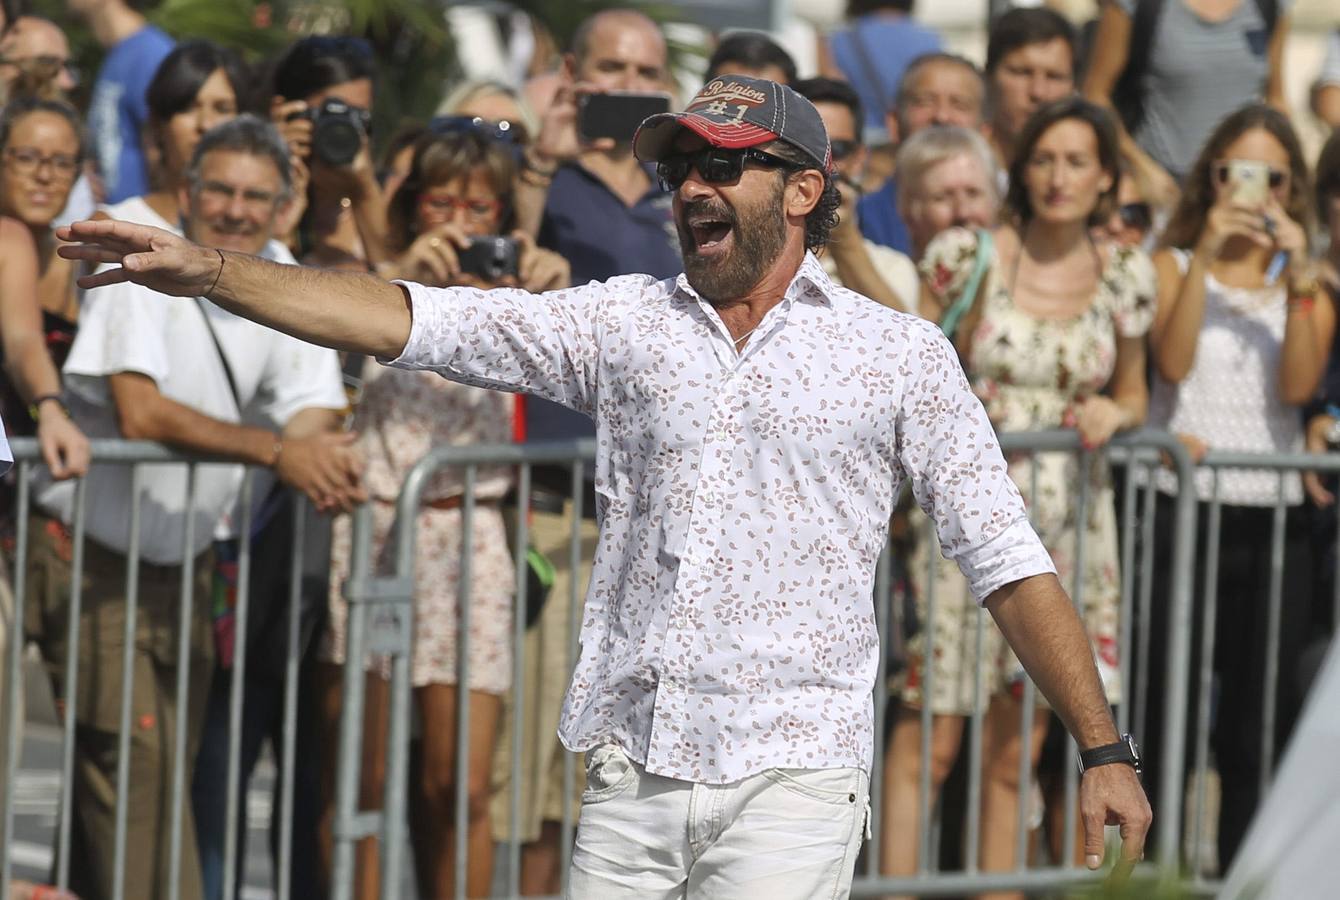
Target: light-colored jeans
<point>779,834</point>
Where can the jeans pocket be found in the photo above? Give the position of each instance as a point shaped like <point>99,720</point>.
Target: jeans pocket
<point>609,772</point>
<point>839,787</point>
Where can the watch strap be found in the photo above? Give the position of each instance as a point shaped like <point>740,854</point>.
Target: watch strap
<point>1123,751</point>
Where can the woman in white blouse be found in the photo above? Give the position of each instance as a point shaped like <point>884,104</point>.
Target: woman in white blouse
<point>1239,344</point>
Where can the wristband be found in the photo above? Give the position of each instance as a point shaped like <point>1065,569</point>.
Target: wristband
<point>35,408</point>
<point>529,165</point>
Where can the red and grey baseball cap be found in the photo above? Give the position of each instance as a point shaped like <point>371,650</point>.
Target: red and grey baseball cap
<point>737,111</point>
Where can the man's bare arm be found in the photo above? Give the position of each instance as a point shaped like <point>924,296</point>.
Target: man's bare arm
<point>1041,624</point>
<point>345,310</point>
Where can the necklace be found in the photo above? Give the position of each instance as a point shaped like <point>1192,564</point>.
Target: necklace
<point>742,338</point>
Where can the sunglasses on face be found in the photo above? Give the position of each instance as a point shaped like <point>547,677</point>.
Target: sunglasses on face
<point>842,149</point>
<point>1223,173</point>
<point>502,131</point>
<point>1135,215</point>
<point>715,165</point>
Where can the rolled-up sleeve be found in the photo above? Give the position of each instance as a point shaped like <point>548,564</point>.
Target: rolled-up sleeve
<point>949,453</point>
<point>511,340</point>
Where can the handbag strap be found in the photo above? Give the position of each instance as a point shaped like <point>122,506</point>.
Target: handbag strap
<point>223,357</point>
<point>961,305</point>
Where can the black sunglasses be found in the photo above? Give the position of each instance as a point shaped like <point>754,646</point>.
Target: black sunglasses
<point>842,149</point>
<point>715,165</point>
<point>503,131</point>
<point>1136,215</point>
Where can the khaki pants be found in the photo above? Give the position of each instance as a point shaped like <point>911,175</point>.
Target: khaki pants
<point>97,699</point>
<point>547,670</point>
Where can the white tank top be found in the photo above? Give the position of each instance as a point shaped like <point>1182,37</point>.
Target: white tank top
<point>1230,398</point>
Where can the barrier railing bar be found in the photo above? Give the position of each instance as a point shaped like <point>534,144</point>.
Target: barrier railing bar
<point>346,830</point>
<point>1273,624</point>
<point>292,674</point>
<point>182,717</point>
<point>1026,710</point>
<point>463,617</point>
<point>1208,620</point>
<point>1127,603</point>
<point>127,682</point>
<point>14,676</point>
<point>522,544</point>
<point>237,688</point>
<point>1140,712</point>
<point>972,855</point>
<point>924,863</point>
<point>1085,463</point>
<point>71,675</point>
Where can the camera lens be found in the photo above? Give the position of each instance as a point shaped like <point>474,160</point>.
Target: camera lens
<point>336,141</point>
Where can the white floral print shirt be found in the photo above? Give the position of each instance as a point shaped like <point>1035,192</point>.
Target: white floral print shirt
<point>743,499</point>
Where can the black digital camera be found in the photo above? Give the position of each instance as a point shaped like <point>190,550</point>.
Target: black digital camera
<point>490,258</point>
<point>338,130</point>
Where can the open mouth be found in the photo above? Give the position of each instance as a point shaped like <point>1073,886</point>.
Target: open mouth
<point>709,233</point>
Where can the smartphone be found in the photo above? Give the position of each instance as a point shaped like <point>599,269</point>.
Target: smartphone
<point>490,258</point>
<point>617,114</point>
<point>1250,181</point>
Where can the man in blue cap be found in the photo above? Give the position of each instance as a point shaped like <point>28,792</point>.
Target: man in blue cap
<point>754,422</point>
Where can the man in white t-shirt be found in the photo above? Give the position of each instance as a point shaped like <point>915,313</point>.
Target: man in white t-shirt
<point>198,379</point>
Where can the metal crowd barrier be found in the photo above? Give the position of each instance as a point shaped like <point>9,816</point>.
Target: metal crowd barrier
<point>380,623</point>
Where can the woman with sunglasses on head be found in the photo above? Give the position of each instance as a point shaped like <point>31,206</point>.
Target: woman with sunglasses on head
<point>1051,337</point>
<point>43,150</point>
<point>1239,345</point>
<point>458,191</point>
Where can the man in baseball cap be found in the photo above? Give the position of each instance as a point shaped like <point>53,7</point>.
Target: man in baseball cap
<point>755,423</point>
<point>732,224</point>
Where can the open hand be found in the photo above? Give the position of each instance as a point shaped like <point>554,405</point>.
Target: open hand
<point>151,257</point>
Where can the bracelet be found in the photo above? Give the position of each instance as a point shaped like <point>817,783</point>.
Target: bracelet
<point>1302,304</point>
<point>278,452</point>
<point>528,165</point>
<point>35,408</point>
<point>1304,286</point>
<point>222,260</point>
<point>534,178</point>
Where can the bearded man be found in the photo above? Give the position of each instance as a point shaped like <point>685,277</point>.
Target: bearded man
<point>754,422</point>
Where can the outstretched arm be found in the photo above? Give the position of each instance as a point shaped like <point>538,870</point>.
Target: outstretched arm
<point>347,311</point>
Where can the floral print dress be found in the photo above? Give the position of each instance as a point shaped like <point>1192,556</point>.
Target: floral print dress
<point>401,417</point>
<point>1031,374</point>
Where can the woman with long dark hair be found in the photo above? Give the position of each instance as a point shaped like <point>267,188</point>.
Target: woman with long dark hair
<point>1239,345</point>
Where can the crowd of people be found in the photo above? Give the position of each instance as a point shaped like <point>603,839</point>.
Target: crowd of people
<point>1115,231</point>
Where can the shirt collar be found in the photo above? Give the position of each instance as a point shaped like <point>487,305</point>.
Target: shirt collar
<point>810,283</point>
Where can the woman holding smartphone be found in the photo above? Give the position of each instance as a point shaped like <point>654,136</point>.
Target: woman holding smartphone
<point>1239,344</point>
<point>459,190</point>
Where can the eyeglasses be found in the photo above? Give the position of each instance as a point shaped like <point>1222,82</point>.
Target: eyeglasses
<point>1136,215</point>
<point>842,149</point>
<point>44,66</point>
<point>27,161</point>
<point>503,130</point>
<point>443,206</point>
<point>254,198</point>
<point>1223,173</point>
<point>715,165</point>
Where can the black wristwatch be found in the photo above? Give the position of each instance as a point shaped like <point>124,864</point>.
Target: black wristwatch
<point>1123,751</point>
